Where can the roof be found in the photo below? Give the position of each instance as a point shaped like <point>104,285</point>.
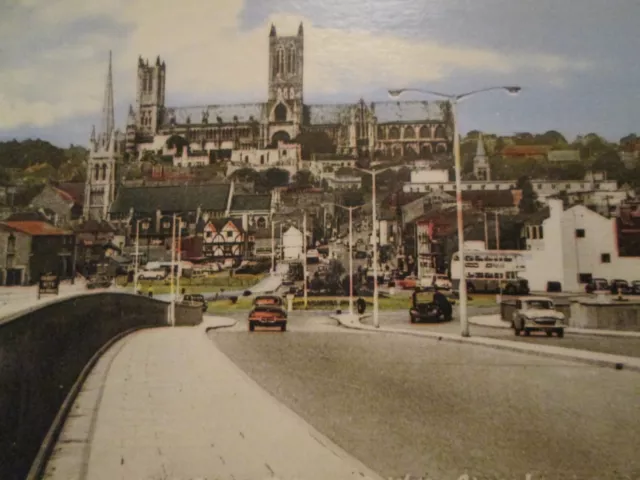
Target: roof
<point>489,198</point>
<point>250,202</point>
<point>389,112</point>
<point>526,150</point>
<point>28,216</point>
<point>329,114</point>
<point>35,228</point>
<point>564,156</point>
<point>243,111</point>
<point>182,198</point>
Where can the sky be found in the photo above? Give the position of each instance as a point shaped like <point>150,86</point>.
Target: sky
<point>576,60</point>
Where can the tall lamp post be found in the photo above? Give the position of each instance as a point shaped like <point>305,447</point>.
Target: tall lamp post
<point>454,99</point>
<point>145,226</point>
<point>374,229</point>
<point>172,278</point>
<point>351,209</point>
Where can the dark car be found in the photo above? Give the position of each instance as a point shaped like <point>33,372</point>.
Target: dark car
<point>267,316</point>
<point>196,300</point>
<point>268,300</point>
<point>98,281</point>
<point>424,309</point>
<point>620,286</point>
<point>597,284</point>
<point>635,287</point>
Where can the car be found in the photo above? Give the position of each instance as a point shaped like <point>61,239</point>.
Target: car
<point>267,316</point>
<point>195,300</point>
<point>268,300</point>
<point>156,274</point>
<point>537,314</point>
<point>98,281</point>
<point>620,286</point>
<point>423,309</point>
<point>597,285</point>
<point>408,283</point>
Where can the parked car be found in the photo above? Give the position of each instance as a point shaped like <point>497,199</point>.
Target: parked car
<point>423,309</point>
<point>635,287</point>
<point>158,274</point>
<point>267,316</point>
<point>265,300</point>
<point>620,286</point>
<point>98,281</point>
<point>408,283</point>
<point>537,314</point>
<point>597,284</point>
<point>196,300</point>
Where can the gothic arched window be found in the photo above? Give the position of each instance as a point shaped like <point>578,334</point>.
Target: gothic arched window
<point>425,132</point>
<point>440,133</point>
<point>292,60</point>
<point>280,113</point>
<point>280,57</point>
<point>292,93</point>
<point>104,171</point>
<point>96,172</point>
<point>409,132</point>
<point>394,133</point>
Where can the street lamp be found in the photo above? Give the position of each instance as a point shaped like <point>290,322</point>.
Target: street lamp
<point>351,209</point>
<point>145,226</point>
<point>374,215</point>
<point>454,99</point>
<point>175,282</point>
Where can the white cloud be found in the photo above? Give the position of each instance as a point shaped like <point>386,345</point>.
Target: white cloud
<point>209,56</point>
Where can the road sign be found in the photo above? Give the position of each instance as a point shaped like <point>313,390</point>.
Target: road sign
<point>49,284</point>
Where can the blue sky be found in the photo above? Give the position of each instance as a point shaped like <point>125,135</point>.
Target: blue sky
<point>575,59</point>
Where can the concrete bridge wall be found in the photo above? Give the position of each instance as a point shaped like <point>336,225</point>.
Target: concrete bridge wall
<point>44,351</point>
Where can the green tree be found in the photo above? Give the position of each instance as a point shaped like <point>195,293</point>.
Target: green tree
<point>529,201</point>
<point>611,163</point>
<point>303,178</point>
<point>246,175</point>
<point>275,177</point>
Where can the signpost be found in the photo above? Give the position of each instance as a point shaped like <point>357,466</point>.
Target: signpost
<point>49,284</point>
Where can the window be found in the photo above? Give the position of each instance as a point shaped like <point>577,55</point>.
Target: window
<point>229,234</point>
<point>541,231</point>
<point>605,258</point>
<point>585,278</point>
<point>580,233</point>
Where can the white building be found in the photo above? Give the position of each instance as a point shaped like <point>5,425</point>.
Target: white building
<point>187,160</point>
<point>346,182</point>
<point>322,167</point>
<point>286,157</point>
<point>572,247</point>
<point>292,244</point>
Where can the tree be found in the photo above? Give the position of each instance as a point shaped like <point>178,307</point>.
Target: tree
<point>552,137</point>
<point>611,163</point>
<point>246,175</point>
<point>314,142</point>
<point>303,178</point>
<point>529,200</point>
<point>275,177</point>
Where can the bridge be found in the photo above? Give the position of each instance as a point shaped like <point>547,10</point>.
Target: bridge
<point>100,386</point>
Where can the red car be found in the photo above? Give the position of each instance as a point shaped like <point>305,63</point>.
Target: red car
<point>267,316</point>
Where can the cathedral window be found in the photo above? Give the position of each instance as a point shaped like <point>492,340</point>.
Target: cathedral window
<point>394,133</point>
<point>425,132</point>
<point>440,133</point>
<point>96,170</point>
<point>409,132</point>
<point>381,133</point>
<point>280,113</point>
<point>280,60</point>
<point>292,61</point>
<point>292,93</point>
<point>104,171</point>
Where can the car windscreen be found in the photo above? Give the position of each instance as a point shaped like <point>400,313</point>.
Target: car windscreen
<point>538,304</point>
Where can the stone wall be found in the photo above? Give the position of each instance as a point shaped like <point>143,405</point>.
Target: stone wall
<point>612,315</point>
<point>42,353</point>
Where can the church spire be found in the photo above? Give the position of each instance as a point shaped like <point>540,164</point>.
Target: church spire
<point>107,106</point>
<point>300,30</point>
<point>273,31</point>
<point>480,152</point>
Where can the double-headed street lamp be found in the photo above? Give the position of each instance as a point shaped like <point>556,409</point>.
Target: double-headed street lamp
<point>454,99</point>
<point>351,209</point>
<point>373,173</point>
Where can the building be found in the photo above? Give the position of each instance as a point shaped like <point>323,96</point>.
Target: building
<point>29,249</point>
<point>576,245</point>
<point>63,204</point>
<point>284,156</point>
<point>392,127</point>
<point>481,167</point>
<point>292,244</point>
<point>105,151</point>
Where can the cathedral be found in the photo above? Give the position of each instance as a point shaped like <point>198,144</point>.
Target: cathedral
<point>409,128</point>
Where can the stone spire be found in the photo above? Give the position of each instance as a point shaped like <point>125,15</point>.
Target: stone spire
<point>480,152</point>
<point>300,30</point>
<point>273,31</point>
<point>108,122</point>
<point>93,134</point>
<point>131,119</point>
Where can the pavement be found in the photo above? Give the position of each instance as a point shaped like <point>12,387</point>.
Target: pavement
<point>166,403</point>
<point>585,356</point>
<point>496,321</point>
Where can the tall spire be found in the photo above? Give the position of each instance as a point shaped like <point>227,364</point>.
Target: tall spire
<point>480,152</point>
<point>107,106</point>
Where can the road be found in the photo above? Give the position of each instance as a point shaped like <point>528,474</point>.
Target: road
<point>613,345</point>
<point>408,405</point>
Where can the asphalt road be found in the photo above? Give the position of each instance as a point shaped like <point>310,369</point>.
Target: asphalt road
<point>613,345</point>
<point>408,405</point>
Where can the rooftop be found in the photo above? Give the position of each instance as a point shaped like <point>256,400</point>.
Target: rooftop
<point>182,198</point>
<point>36,228</point>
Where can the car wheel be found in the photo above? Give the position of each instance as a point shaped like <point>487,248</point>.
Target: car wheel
<point>252,327</point>
<point>283,327</point>
<point>560,333</point>
<point>527,332</point>
<point>412,318</point>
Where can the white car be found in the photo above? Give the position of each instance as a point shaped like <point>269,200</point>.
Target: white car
<point>537,314</point>
<point>152,274</point>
